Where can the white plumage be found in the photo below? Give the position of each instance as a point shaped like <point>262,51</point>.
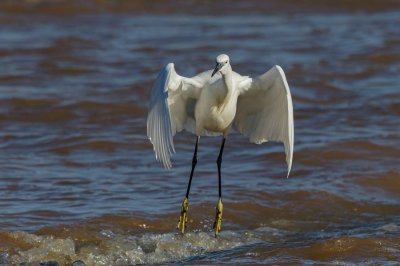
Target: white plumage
<point>259,108</point>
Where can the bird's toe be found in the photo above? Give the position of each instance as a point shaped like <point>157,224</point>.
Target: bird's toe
<point>184,215</point>
<point>218,217</point>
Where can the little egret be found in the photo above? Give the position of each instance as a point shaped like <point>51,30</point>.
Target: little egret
<point>210,104</point>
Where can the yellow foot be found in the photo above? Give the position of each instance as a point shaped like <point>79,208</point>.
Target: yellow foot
<point>184,215</point>
<point>218,217</point>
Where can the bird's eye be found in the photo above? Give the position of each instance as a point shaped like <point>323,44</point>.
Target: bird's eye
<point>226,62</point>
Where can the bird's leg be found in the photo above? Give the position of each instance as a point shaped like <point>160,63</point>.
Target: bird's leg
<point>185,205</point>
<point>218,215</point>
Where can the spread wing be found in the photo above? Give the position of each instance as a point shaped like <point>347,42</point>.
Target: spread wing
<point>171,100</point>
<point>265,110</point>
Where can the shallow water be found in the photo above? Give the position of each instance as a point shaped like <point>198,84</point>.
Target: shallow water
<point>78,177</point>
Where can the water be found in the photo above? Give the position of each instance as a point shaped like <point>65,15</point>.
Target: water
<point>79,180</point>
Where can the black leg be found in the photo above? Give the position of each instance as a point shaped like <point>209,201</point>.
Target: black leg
<point>185,205</point>
<point>218,215</point>
<point>219,161</point>
<point>194,162</point>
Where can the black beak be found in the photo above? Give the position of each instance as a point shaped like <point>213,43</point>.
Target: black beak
<point>216,69</point>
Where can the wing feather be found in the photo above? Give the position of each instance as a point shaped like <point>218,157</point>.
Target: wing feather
<point>168,110</point>
<point>265,110</point>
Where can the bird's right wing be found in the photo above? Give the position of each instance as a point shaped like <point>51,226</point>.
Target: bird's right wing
<point>170,98</point>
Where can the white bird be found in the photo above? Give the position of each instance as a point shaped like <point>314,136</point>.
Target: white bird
<point>213,102</point>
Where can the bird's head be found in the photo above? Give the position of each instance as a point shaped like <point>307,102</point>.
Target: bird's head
<point>222,64</point>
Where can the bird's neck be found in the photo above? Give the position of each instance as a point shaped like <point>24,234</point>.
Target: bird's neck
<point>228,81</point>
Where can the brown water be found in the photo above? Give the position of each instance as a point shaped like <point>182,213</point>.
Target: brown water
<point>79,180</point>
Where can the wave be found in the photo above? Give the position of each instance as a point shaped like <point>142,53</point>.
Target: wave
<point>67,7</point>
<point>263,245</point>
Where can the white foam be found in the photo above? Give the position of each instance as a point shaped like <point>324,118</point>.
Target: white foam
<point>114,249</point>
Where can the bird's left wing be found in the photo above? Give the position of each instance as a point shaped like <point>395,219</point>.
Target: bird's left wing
<point>169,100</point>
<point>265,110</point>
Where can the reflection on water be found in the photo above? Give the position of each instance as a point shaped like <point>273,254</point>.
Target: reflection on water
<point>78,177</point>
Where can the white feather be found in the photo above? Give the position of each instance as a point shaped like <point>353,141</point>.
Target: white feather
<point>260,108</point>
<point>265,110</point>
<point>168,110</point>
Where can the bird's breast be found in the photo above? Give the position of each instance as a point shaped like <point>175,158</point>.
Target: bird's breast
<point>215,113</point>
